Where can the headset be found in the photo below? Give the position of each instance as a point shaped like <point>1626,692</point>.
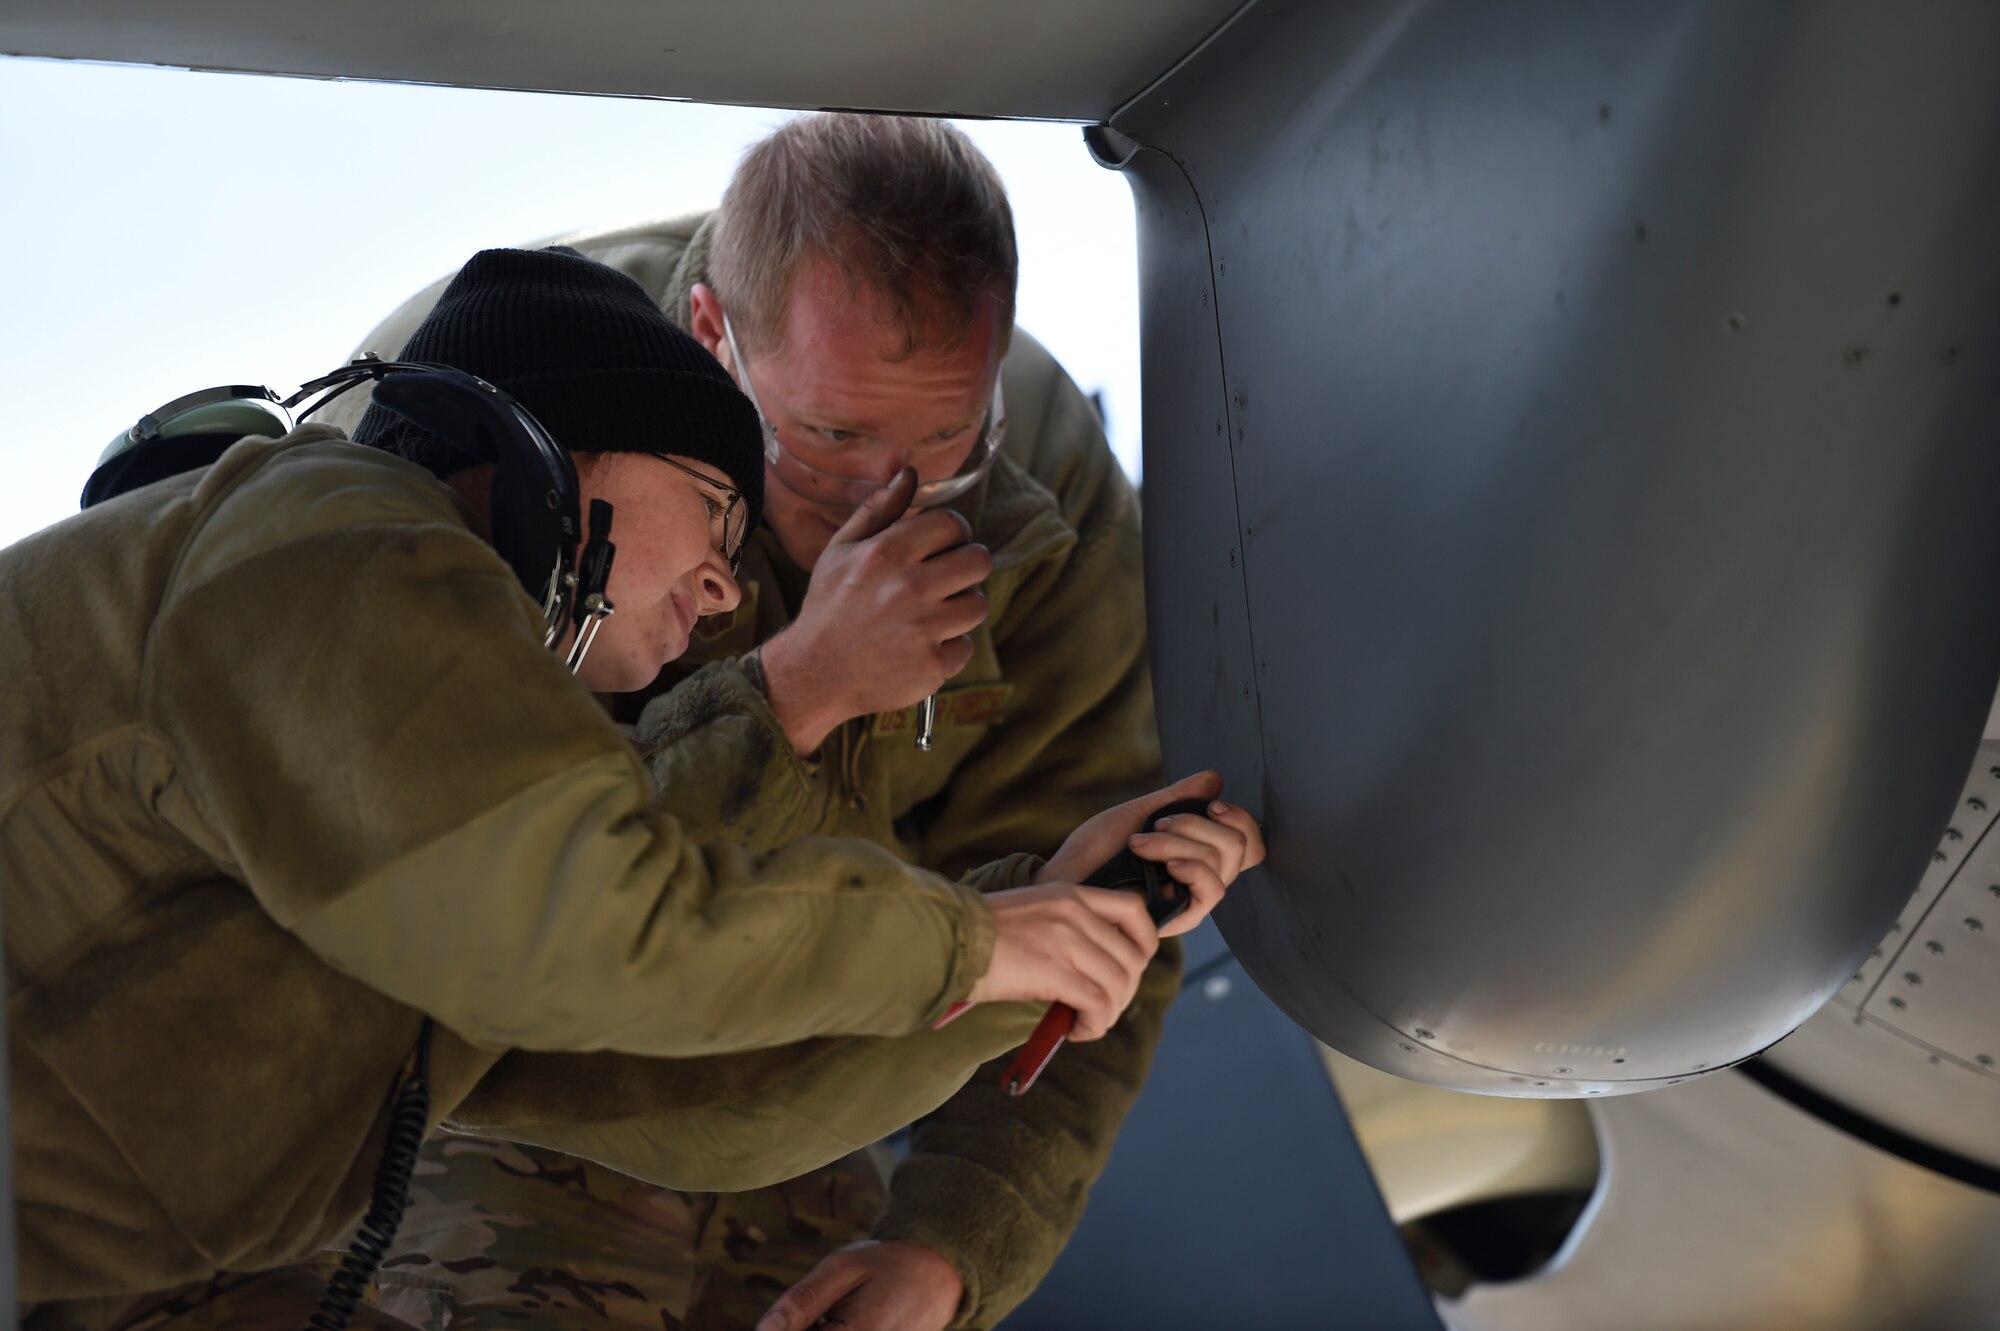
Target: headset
<point>534,501</point>
<point>537,528</point>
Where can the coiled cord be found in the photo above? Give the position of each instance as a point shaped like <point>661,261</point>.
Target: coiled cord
<point>409,1118</point>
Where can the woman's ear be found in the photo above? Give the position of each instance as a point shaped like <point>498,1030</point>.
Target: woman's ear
<point>475,486</point>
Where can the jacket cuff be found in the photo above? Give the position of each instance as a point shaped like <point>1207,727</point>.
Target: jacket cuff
<point>720,760</point>
<point>1008,872</point>
<point>718,689</point>
<point>975,1220</point>
<point>971,955</point>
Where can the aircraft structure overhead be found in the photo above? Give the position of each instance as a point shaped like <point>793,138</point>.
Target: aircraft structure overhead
<point>1024,59</point>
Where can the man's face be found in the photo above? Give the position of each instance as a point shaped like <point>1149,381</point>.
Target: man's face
<point>843,404</point>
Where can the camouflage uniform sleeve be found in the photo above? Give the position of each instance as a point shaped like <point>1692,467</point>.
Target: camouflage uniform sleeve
<point>996,1183</point>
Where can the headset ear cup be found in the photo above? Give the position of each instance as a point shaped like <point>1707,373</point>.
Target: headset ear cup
<point>528,526</point>
<point>185,440</point>
<point>533,504</point>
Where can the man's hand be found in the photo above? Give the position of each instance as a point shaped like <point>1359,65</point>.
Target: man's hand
<point>1207,854</point>
<point>886,620</point>
<point>871,1286</point>
<point>1061,943</point>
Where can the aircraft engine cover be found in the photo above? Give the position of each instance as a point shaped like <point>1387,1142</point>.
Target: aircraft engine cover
<point>1573,505</point>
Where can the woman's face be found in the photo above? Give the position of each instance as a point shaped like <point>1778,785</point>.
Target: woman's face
<point>668,571</point>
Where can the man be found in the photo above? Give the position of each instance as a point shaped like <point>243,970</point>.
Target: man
<point>294,799</point>
<point>858,283</point>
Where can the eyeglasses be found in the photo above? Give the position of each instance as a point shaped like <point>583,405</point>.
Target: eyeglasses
<point>728,521</point>
<point>830,489</point>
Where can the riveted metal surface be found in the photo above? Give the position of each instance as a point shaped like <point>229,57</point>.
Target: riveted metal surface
<point>1943,988</point>
<point>1609,399</point>
<point>1886,1075</point>
<point>1965,836</point>
<point>1912,1043</point>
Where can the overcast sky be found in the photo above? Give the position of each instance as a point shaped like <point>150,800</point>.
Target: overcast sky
<point>162,231</point>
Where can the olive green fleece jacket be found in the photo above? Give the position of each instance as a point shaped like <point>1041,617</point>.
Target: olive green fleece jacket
<point>284,766</point>
<point>1051,722</point>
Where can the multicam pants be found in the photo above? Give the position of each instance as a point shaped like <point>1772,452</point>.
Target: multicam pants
<point>506,1236</point>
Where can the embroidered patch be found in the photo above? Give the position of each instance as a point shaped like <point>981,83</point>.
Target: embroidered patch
<point>966,705</point>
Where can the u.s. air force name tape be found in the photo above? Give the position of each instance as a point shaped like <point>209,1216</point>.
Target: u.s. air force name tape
<point>966,705</point>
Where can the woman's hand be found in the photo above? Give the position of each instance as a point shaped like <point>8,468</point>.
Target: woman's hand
<point>1205,853</point>
<point>1061,943</point>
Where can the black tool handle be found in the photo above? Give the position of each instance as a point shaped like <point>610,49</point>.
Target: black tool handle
<point>1166,896</point>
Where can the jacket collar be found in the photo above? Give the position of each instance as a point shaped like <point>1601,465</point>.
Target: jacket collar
<point>1015,516</point>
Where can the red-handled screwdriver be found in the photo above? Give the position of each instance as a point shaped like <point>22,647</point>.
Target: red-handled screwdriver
<point>1049,1034</point>
<point>1047,1037</point>
<point>1165,898</point>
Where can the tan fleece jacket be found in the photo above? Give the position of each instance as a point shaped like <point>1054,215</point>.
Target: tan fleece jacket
<point>283,766</point>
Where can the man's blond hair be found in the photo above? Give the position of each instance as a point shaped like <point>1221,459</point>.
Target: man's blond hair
<point>907,208</point>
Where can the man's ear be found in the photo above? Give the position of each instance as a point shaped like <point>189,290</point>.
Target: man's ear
<point>705,323</point>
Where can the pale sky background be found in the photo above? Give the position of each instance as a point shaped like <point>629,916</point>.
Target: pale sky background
<point>163,231</point>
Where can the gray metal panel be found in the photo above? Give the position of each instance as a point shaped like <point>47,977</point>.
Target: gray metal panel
<point>1609,393</point>
<point>1039,59</point>
<point>1236,1196</point>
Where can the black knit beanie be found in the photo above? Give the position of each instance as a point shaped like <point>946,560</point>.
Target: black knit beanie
<point>583,348</point>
